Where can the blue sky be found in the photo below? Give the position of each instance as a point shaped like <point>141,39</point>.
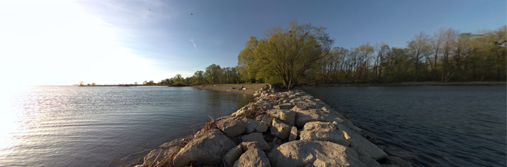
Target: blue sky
<point>107,42</point>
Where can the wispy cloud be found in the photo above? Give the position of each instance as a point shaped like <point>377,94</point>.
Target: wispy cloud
<point>193,42</point>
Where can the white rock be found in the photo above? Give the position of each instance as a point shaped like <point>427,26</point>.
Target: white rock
<point>173,145</point>
<point>232,155</point>
<point>208,148</point>
<point>280,129</point>
<point>231,126</point>
<point>323,131</point>
<point>362,145</point>
<point>256,137</point>
<point>284,115</point>
<point>253,157</point>
<point>314,153</point>
<point>310,115</point>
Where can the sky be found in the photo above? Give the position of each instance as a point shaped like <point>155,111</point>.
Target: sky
<point>127,41</point>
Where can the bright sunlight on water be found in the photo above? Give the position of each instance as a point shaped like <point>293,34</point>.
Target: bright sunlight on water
<point>90,126</point>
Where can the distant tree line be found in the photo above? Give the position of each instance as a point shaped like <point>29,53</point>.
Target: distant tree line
<point>302,54</point>
<point>447,55</point>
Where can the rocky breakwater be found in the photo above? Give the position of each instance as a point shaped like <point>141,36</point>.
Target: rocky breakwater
<point>281,129</point>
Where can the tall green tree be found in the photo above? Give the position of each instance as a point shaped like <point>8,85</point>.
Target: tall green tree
<point>212,73</point>
<point>286,53</point>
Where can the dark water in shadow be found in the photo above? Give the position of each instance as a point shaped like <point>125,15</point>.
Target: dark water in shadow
<point>89,126</point>
<point>429,125</point>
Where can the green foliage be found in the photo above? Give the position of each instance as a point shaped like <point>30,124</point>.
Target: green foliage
<point>445,56</point>
<point>285,54</point>
<point>212,73</point>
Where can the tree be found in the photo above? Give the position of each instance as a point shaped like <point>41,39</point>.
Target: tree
<point>419,47</point>
<point>212,73</point>
<point>82,83</point>
<point>285,54</point>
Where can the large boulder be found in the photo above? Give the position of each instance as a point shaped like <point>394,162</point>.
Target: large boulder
<point>361,144</point>
<point>284,115</point>
<point>264,119</point>
<point>232,155</point>
<point>167,148</point>
<point>314,153</point>
<point>232,126</point>
<point>256,137</point>
<point>280,129</point>
<point>323,131</point>
<point>253,157</point>
<point>208,148</point>
<point>253,125</point>
<point>304,116</point>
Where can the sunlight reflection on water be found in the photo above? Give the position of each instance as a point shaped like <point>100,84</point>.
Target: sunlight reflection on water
<point>89,126</point>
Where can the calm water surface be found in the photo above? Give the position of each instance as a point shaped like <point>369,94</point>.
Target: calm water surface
<point>429,125</point>
<point>90,126</point>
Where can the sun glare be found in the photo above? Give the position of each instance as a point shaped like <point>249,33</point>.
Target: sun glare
<point>59,43</point>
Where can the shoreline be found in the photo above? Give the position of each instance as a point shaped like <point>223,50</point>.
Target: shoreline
<point>278,129</point>
<point>250,88</point>
<point>416,84</point>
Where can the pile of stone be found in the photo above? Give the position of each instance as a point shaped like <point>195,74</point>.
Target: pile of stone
<point>265,91</point>
<point>291,129</point>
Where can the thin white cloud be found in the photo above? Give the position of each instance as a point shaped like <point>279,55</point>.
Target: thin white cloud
<point>193,42</point>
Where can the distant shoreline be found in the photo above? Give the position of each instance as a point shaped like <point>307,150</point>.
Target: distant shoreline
<point>416,84</point>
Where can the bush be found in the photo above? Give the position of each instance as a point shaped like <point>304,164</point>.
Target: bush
<point>179,84</point>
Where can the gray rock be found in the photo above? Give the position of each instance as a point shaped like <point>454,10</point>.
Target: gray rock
<point>280,129</point>
<point>293,133</point>
<point>264,104</point>
<point>361,144</point>
<point>231,126</point>
<point>208,148</point>
<point>304,116</point>
<point>284,106</point>
<point>323,131</point>
<point>299,107</point>
<point>253,125</point>
<point>253,157</point>
<point>309,104</point>
<point>256,137</point>
<point>284,115</point>
<point>232,155</point>
<point>172,146</point>
<point>314,153</point>
<point>248,145</point>
<point>264,119</point>
<point>240,112</point>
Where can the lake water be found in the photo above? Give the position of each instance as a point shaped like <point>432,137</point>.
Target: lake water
<point>90,126</point>
<point>429,125</point>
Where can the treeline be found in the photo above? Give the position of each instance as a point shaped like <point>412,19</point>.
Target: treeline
<point>301,54</point>
<point>213,74</point>
<point>446,55</point>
